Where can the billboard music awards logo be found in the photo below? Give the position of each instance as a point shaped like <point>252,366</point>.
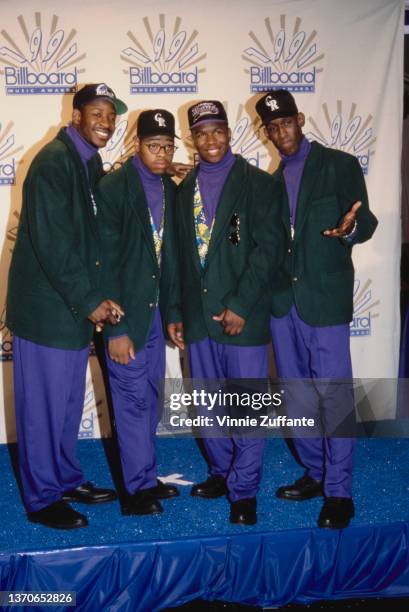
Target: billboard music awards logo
<point>7,153</point>
<point>90,413</point>
<point>361,324</point>
<point>347,131</point>
<point>245,140</point>
<point>41,59</point>
<point>284,60</point>
<point>6,337</point>
<point>166,62</point>
<point>120,146</point>
<point>6,352</point>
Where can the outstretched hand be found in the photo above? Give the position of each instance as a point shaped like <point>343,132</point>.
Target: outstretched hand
<point>346,225</point>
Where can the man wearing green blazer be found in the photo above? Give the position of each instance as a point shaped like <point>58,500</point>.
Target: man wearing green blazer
<point>324,212</point>
<point>136,223</point>
<point>54,301</point>
<point>228,235</point>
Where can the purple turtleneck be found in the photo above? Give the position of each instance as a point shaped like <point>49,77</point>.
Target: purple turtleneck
<point>153,188</point>
<point>211,180</point>
<point>293,169</point>
<point>85,149</point>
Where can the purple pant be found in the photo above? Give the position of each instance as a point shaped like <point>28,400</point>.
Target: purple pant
<point>49,388</point>
<point>306,352</point>
<point>238,459</point>
<point>135,390</point>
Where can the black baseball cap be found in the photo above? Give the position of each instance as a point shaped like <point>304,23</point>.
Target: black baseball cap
<point>275,104</point>
<point>205,111</point>
<point>93,91</point>
<point>155,123</point>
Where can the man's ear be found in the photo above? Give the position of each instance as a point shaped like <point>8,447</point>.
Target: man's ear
<point>137,144</point>
<point>76,117</point>
<point>301,120</point>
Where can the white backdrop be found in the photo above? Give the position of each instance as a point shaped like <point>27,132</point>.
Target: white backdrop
<point>342,60</point>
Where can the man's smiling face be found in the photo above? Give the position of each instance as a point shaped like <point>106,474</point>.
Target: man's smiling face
<point>95,122</point>
<point>211,140</point>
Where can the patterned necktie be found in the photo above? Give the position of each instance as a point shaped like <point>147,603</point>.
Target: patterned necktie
<point>158,234</point>
<point>202,230</point>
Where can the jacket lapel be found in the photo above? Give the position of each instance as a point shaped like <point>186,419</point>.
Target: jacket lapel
<point>285,208</point>
<point>229,199</point>
<point>86,182</point>
<point>188,217</point>
<point>309,179</point>
<point>137,198</point>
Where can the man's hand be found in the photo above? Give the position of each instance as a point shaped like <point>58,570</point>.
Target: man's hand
<point>175,332</point>
<point>347,223</point>
<point>121,349</point>
<point>107,311</point>
<point>232,323</point>
<point>179,169</point>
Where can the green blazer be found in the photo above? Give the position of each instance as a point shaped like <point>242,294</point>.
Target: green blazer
<point>131,272</point>
<point>55,270</point>
<point>236,277</point>
<point>318,273</point>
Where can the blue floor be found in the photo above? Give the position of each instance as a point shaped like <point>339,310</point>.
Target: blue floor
<point>381,495</point>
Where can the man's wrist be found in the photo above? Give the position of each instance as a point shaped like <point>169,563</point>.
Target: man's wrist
<point>352,232</point>
<point>117,337</point>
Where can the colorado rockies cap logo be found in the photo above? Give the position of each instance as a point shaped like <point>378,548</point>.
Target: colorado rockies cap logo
<point>272,103</point>
<point>160,120</point>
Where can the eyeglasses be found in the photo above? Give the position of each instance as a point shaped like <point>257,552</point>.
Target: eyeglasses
<point>235,224</point>
<point>156,148</point>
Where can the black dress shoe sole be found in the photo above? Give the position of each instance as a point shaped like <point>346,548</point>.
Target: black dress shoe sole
<point>65,526</point>
<point>207,496</point>
<point>168,495</point>
<point>88,500</point>
<point>241,520</point>
<point>334,526</point>
<point>299,498</point>
<point>126,511</point>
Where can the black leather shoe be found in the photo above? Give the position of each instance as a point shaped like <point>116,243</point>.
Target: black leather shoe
<point>244,511</point>
<point>58,515</point>
<point>336,513</point>
<point>214,486</point>
<point>87,493</point>
<point>303,488</point>
<point>142,502</point>
<point>163,490</point>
